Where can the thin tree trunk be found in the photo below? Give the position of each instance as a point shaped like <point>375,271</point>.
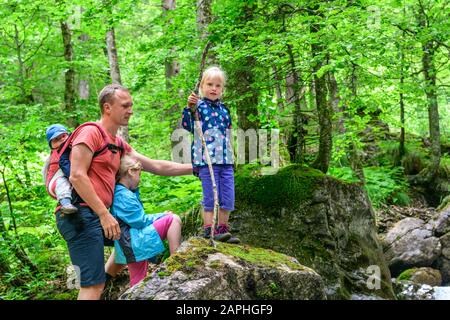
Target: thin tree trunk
<point>297,141</point>
<point>171,66</point>
<point>172,69</point>
<point>402,111</point>
<point>83,84</point>
<point>247,108</point>
<point>69,92</point>
<point>14,245</point>
<point>429,72</point>
<point>26,97</point>
<point>324,113</point>
<point>114,69</point>
<point>204,19</point>
<point>113,58</point>
<point>277,78</point>
<point>353,152</point>
<point>334,101</point>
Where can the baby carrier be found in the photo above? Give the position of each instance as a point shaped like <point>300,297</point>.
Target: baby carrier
<point>59,158</point>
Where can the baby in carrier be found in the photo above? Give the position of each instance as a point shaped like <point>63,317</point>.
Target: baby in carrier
<point>57,168</point>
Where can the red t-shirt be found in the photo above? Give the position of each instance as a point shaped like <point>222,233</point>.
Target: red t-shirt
<point>105,166</point>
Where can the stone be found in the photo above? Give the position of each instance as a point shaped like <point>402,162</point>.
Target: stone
<point>425,275</point>
<point>441,224</point>
<point>198,271</point>
<point>410,243</point>
<point>327,224</point>
<point>407,290</point>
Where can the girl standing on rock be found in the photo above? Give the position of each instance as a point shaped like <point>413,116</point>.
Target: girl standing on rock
<point>215,118</point>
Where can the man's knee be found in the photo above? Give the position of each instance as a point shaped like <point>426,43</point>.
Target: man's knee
<point>93,292</point>
<point>94,287</point>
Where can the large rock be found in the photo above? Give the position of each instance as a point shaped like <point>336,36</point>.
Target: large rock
<point>441,227</point>
<point>443,262</point>
<point>441,224</point>
<point>327,224</point>
<point>410,243</point>
<point>425,275</point>
<point>200,271</point>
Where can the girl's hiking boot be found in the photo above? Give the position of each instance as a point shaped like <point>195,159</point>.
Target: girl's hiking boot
<point>222,237</point>
<point>225,229</point>
<point>68,208</point>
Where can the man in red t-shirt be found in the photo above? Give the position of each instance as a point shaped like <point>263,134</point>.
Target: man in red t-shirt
<point>94,179</point>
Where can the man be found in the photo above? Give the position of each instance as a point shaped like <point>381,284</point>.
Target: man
<point>93,178</point>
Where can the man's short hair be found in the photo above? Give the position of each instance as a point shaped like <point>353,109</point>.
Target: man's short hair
<point>107,94</point>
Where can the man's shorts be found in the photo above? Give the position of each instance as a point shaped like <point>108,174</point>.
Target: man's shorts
<point>85,240</point>
<point>224,176</point>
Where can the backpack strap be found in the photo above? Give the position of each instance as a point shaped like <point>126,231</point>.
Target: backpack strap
<point>105,145</point>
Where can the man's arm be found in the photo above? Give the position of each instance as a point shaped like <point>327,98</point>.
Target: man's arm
<point>163,167</point>
<point>80,163</point>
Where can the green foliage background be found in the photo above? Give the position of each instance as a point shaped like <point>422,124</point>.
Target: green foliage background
<point>363,35</point>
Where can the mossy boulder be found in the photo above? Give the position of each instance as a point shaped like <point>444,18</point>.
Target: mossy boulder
<point>429,276</point>
<point>327,224</point>
<point>199,271</point>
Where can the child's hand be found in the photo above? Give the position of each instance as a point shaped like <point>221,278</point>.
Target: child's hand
<point>192,101</point>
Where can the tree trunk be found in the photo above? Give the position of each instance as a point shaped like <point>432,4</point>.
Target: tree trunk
<point>247,108</point>
<point>69,92</point>
<point>172,69</point>
<point>83,84</point>
<point>334,102</point>
<point>114,69</point>
<point>324,113</point>
<point>171,66</point>
<point>26,97</point>
<point>354,156</point>
<point>297,138</point>
<point>428,174</point>
<point>14,244</point>
<point>113,59</point>
<point>204,19</point>
<point>401,152</point>
<point>429,72</point>
<point>277,78</point>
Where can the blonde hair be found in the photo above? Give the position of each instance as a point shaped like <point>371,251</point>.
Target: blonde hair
<point>127,162</point>
<point>212,72</point>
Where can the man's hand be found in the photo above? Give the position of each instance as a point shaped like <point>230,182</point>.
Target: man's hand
<point>192,101</point>
<point>110,226</point>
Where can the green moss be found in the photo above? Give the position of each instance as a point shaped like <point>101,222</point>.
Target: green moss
<point>259,256</point>
<point>271,291</point>
<point>163,274</point>
<point>291,185</point>
<point>194,258</point>
<point>66,295</point>
<point>406,275</point>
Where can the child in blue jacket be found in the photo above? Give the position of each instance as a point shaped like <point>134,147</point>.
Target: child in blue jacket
<point>141,234</point>
<point>215,120</point>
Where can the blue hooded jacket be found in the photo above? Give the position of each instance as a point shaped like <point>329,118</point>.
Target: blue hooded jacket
<point>139,239</point>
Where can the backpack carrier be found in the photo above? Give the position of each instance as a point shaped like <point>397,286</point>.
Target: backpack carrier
<point>57,162</point>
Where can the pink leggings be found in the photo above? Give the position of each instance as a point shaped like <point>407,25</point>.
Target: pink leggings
<point>138,270</point>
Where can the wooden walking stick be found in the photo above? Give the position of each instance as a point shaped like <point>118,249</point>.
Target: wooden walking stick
<point>198,129</point>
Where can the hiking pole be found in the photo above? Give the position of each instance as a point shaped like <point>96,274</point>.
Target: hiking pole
<point>198,129</point>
